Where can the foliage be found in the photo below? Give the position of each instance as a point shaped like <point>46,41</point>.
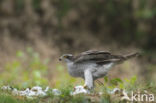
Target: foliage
<point>27,70</point>
<point>65,97</point>
<point>127,84</point>
<point>125,22</point>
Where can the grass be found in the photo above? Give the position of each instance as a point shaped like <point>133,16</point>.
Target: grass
<point>29,65</point>
<point>65,97</point>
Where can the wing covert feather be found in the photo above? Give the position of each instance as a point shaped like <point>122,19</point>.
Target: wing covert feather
<point>92,56</point>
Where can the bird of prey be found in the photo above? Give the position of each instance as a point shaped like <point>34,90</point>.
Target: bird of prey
<point>91,65</point>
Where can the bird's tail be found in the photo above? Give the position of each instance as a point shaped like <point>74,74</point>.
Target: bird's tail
<point>129,56</point>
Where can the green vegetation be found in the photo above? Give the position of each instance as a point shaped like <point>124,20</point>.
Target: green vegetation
<point>54,27</point>
<point>65,97</point>
<point>27,70</point>
<point>33,71</point>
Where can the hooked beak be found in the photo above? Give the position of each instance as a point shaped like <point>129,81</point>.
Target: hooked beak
<point>60,59</point>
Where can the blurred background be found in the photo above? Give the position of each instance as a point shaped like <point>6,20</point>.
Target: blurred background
<point>35,33</point>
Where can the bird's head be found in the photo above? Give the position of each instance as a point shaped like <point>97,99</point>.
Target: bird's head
<point>66,58</point>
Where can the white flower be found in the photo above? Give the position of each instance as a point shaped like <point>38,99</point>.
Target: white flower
<point>46,90</point>
<point>114,91</point>
<point>36,88</point>
<point>31,94</point>
<point>6,88</point>
<point>56,92</point>
<point>100,93</point>
<point>15,92</point>
<point>25,92</point>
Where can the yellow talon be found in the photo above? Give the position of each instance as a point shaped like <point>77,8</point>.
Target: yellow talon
<point>85,87</point>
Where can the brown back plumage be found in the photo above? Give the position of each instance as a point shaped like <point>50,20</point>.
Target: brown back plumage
<point>101,57</point>
<point>92,55</point>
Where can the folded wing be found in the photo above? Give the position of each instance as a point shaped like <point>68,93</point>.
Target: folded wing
<point>99,57</point>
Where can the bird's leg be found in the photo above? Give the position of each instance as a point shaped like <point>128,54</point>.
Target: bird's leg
<point>88,79</point>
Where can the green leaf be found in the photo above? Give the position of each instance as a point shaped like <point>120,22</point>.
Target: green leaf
<point>115,81</point>
<point>19,54</point>
<point>60,68</point>
<point>133,79</point>
<point>37,74</point>
<point>106,79</point>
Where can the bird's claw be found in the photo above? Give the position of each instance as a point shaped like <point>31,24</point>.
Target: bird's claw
<point>80,89</point>
<point>85,87</point>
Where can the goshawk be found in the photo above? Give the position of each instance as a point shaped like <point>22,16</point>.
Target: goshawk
<point>91,65</point>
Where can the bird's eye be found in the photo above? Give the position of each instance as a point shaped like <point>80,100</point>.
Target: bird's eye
<point>65,56</point>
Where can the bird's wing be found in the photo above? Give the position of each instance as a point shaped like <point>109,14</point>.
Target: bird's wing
<point>88,78</point>
<point>100,57</point>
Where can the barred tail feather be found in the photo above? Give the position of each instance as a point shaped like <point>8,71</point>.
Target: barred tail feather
<point>131,55</point>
